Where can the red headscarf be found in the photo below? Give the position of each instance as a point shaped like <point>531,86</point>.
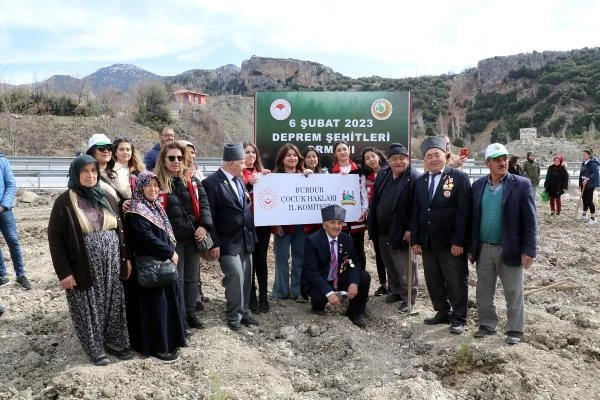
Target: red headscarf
<point>560,158</point>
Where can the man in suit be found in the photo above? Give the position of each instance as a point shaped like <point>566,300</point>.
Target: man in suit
<point>332,267</point>
<point>503,241</point>
<point>439,231</point>
<point>389,215</point>
<point>233,233</point>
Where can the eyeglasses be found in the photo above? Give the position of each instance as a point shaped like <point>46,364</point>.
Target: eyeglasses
<point>104,148</point>
<point>173,158</point>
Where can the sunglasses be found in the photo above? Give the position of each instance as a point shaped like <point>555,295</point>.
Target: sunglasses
<point>104,148</point>
<point>173,158</point>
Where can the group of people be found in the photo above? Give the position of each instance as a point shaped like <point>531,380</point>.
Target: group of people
<point>116,210</point>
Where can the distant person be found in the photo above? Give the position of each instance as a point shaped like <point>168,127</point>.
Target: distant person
<point>389,218</point>
<point>331,268</point>
<point>8,226</point>
<point>503,242</point>
<point>556,183</point>
<point>440,232</point>
<point>452,160</point>
<point>254,169</point>
<point>588,181</point>
<point>90,257</point>
<point>531,170</point>
<point>514,167</point>
<point>167,134</point>
<point>234,234</point>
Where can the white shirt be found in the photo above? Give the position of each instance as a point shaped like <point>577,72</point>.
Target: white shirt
<point>232,183</point>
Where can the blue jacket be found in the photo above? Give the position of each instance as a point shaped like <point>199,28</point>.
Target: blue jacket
<point>8,186</point>
<point>150,157</point>
<point>590,170</point>
<point>519,225</point>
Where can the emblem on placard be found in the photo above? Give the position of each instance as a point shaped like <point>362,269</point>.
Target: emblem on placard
<point>381,109</point>
<point>267,199</point>
<point>348,198</point>
<point>280,109</point>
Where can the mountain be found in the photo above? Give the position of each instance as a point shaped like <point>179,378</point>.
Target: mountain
<point>556,92</point>
<point>122,77</point>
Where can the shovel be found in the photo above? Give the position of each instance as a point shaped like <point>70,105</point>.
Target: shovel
<point>412,262</point>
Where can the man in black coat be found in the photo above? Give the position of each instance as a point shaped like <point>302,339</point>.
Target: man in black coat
<point>233,233</point>
<point>440,231</point>
<point>389,216</point>
<point>331,268</point>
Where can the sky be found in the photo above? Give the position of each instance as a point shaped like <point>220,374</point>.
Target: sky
<point>391,39</point>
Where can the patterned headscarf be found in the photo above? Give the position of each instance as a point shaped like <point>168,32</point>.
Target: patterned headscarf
<point>152,211</point>
<point>94,194</point>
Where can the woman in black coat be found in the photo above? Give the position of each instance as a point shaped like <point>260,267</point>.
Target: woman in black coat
<point>155,324</point>
<point>557,181</point>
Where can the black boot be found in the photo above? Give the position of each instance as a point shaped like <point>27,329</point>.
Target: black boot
<point>195,322</point>
<point>263,302</point>
<point>253,304</point>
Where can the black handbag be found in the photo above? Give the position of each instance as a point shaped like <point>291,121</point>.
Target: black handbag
<point>205,244</point>
<point>154,273</point>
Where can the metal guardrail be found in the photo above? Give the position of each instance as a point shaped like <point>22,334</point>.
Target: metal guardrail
<point>36,173</point>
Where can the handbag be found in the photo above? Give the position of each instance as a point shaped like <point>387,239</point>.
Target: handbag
<point>154,273</point>
<point>205,244</point>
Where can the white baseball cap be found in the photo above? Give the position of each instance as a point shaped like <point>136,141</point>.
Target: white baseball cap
<point>98,139</point>
<point>495,150</point>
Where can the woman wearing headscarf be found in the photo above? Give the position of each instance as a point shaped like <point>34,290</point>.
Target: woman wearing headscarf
<point>186,204</point>
<point>156,326</point>
<point>88,251</point>
<point>557,181</point>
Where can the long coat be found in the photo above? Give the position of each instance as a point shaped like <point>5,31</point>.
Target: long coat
<point>557,180</point>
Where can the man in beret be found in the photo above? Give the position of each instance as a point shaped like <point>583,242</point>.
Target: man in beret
<point>440,226</point>
<point>389,216</point>
<point>233,233</point>
<point>503,241</point>
<point>331,268</point>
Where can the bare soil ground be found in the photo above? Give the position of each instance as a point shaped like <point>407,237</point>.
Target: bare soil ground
<point>294,354</point>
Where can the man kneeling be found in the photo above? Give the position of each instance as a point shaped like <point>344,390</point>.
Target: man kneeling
<point>331,268</point>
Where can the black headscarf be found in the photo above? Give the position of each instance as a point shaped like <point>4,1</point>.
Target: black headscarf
<point>94,194</point>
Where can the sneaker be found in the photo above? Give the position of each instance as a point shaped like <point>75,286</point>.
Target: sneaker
<point>483,332</point>
<point>403,307</point>
<point>592,221</point>
<point>583,216</point>
<point>301,299</point>
<point>101,361</point>
<point>381,291</point>
<point>551,213</point>
<point>512,340</point>
<point>24,282</point>
<point>4,280</point>
<point>457,328</point>
<point>558,212</point>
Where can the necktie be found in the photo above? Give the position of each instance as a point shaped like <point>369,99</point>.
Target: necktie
<point>432,185</point>
<point>240,190</point>
<point>333,268</point>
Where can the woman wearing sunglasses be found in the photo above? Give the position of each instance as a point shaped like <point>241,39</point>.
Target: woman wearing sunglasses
<point>100,147</point>
<point>188,210</point>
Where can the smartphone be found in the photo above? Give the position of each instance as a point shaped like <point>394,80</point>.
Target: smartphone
<point>463,152</point>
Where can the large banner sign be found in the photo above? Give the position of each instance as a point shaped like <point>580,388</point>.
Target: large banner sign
<point>289,199</point>
<point>321,118</point>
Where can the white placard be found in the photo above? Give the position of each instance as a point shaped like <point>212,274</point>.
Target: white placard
<point>289,199</point>
<point>527,133</point>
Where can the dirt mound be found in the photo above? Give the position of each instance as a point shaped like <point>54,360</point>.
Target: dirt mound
<point>294,354</point>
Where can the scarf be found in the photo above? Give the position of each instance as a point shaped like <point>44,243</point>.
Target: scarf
<point>152,211</point>
<point>95,194</point>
